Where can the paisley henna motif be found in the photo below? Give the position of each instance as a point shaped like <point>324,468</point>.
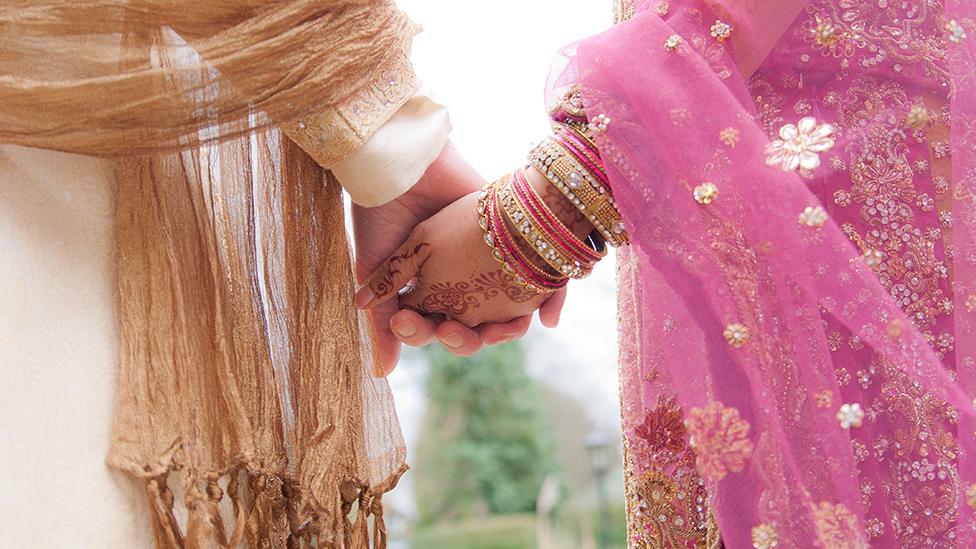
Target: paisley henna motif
<point>451,298</point>
<point>457,298</point>
<point>495,282</point>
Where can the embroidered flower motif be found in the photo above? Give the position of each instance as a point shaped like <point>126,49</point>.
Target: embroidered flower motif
<point>956,33</point>
<point>918,117</point>
<point>662,8</point>
<point>813,216</point>
<point>736,334</point>
<point>850,415</point>
<point>673,42</point>
<point>721,31</point>
<point>971,303</point>
<point>824,399</point>
<point>800,144</point>
<point>720,439</point>
<point>764,537</point>
<point>825,34</point>
<point>600,123</point>
<point>729,136</point>
<point>971,496</point>
<point>706,193</point>
<point>837,527</point>
<point>931,508</point>
<point>872,258</point>
<point>663,427</point>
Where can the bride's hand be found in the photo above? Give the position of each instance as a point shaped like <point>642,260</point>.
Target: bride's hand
<point>458,279</point>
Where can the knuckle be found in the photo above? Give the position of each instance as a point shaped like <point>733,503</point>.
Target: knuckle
<point>420,232</point>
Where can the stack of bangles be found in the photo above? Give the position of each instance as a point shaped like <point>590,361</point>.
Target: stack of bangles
<point>534,245</point>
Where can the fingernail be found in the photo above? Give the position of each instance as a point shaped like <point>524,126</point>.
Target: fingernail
<point>504,338</point>
<point>453,340</point>
<point>405,329</point>
<point>364,296</point>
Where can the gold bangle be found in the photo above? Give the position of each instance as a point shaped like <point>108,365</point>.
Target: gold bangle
<point>580,187</point>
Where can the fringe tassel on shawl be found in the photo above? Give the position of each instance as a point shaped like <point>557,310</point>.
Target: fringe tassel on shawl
<point>205,528</point>
<point>379,525</point>
<point>269,522</point>
<point>239,518</point>
<point>166,531</point>
<point>267,525</point>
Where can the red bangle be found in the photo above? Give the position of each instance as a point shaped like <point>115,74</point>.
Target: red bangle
<point>548,220</point>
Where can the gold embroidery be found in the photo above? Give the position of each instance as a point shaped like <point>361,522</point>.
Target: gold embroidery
<point>868,33</point>
<point>736,335</point>
<point>764,537</point>
<point>332,135</point>
<point>720,439</point>
<point>729,136</point>
<point>624,10</point>
<point>837,527</point>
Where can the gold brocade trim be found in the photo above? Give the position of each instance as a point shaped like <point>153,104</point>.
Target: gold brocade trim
<point>622,10</point>
<point>332,135</point>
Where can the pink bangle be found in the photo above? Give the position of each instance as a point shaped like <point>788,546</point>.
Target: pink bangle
<point>512,254</point>
<point>582,145</point>
<point>548,220</point>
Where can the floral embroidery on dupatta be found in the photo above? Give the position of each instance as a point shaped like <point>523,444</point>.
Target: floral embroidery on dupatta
<point>720,439</point>
<point>837,527</point>
<point>887,184</point>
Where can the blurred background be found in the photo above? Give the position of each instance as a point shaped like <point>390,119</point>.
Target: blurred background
<point>518,447</point>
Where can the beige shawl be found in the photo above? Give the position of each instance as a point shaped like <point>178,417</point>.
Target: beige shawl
<point>245,368</point>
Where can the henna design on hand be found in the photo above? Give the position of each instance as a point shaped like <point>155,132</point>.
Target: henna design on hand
<point>450,298</point>
<point>497,282</point>
<point>457,298</point>
<point>385,285</point>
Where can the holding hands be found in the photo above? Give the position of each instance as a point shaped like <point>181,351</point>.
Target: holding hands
<point>473,273</point>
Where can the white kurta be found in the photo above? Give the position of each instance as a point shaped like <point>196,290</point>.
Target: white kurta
<point>59,357</point>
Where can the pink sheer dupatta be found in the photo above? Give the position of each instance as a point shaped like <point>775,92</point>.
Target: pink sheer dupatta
<point>739,283</point>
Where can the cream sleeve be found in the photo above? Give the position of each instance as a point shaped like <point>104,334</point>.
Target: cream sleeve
<point>396,155</point>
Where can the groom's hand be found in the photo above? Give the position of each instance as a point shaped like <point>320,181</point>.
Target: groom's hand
<point>380,231</point>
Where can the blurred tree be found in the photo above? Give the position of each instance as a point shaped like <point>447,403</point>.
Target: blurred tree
<point>483,446</point>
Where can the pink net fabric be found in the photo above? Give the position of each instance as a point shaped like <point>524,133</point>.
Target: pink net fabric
<point>798,350</point>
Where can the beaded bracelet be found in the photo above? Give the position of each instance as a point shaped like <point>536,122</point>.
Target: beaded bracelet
<point>542,241</point>
<point>581,187</point>
<point>505,251</point>
<point>550,224</point>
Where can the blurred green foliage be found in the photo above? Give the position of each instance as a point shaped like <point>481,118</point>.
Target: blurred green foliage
<point>516,531</point>
<point>513,531</point>
<point>484,448</point>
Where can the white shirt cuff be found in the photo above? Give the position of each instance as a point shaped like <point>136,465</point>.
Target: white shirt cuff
<point>395,157</point>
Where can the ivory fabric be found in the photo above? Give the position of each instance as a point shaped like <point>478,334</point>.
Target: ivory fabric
<point>245,405</point>
<point>59,357</point>
<point>397,154</point>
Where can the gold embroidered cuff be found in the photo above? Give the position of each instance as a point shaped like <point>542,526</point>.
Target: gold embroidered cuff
<point>331,135</point>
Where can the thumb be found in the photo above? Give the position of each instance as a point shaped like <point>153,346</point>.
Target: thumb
<point>393,274</point>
